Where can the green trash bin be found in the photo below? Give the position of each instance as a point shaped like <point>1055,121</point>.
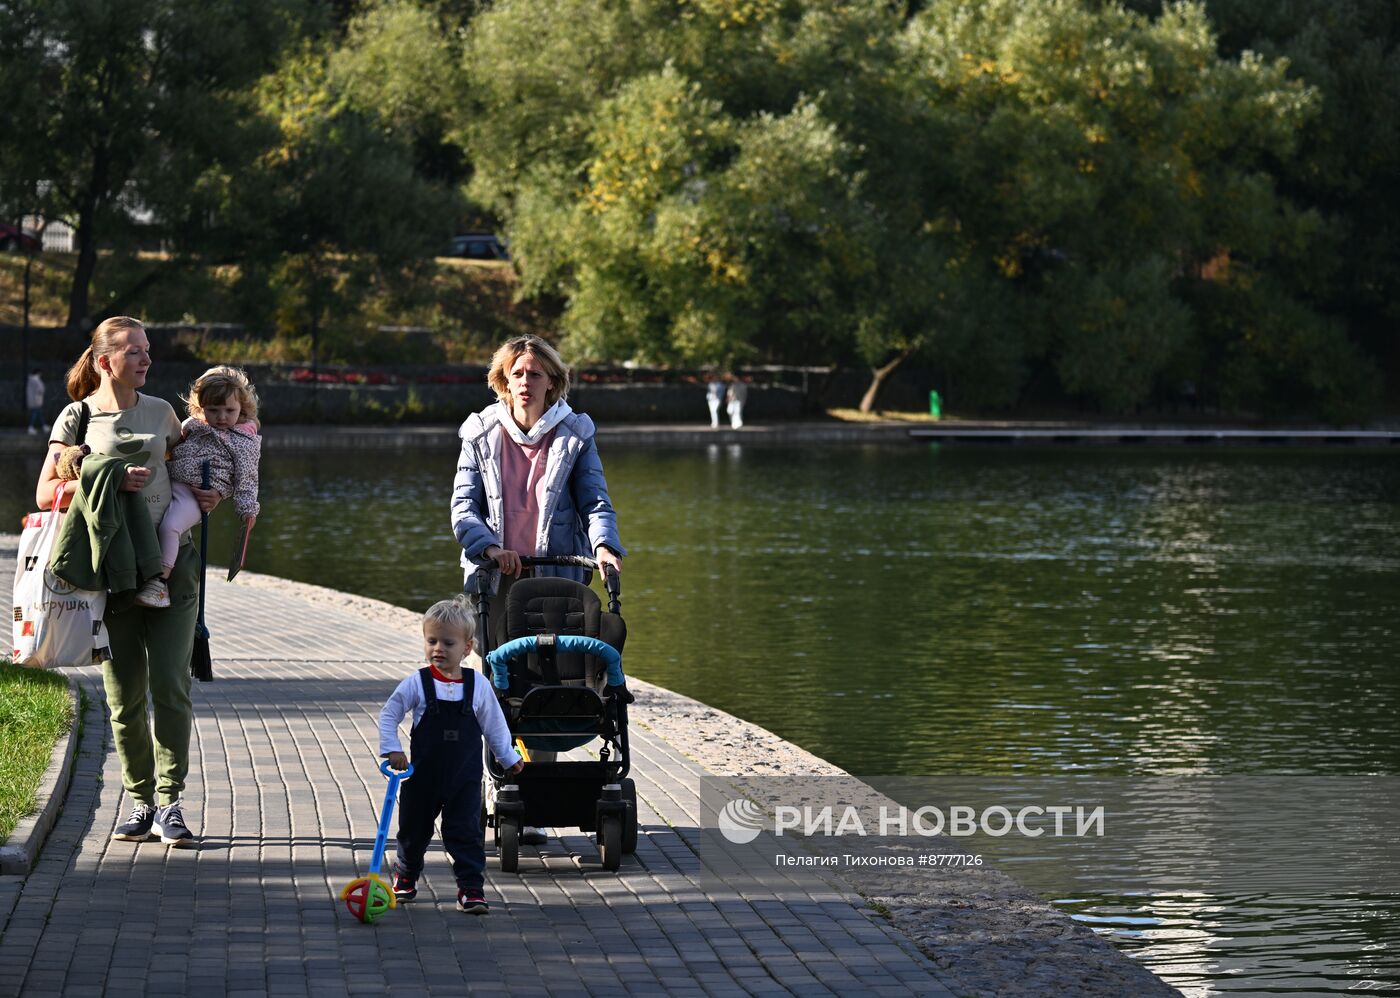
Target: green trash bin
<point>935,405</point>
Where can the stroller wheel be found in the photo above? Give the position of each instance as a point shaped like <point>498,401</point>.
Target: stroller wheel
<point>629,823</point>
<point>610,841</point>
<point>508,843</point>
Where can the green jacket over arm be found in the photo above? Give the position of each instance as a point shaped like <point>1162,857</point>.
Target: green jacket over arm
<point>107,540</point>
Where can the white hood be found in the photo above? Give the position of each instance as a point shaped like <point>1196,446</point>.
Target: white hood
<point>552,417</point>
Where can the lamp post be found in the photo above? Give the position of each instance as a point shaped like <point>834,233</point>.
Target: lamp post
<point>24,325</point>
<point>29,246</point>
<point>24,328</point>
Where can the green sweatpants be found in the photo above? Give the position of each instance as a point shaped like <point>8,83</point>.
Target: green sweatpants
<point>151,661</point>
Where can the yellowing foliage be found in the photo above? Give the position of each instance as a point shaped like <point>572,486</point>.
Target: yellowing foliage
<point>736,13</point>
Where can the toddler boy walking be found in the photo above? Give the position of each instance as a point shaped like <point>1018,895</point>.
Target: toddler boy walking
<point>452,710</point>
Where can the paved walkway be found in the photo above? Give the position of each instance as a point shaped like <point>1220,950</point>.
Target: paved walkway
<point>284,793</point>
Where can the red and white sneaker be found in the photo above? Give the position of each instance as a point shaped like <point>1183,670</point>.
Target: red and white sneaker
<point>473,902</point>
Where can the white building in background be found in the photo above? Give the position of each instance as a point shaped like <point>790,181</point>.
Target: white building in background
<point>59,237</point>
<point>56,235</point>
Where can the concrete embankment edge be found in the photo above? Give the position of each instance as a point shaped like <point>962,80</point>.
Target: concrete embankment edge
<point>445,438</point>
<point>796,433</point>
<point>20,850</point>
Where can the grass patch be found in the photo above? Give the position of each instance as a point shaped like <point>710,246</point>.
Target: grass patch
<point>881,909</point>
<point>34,711</point>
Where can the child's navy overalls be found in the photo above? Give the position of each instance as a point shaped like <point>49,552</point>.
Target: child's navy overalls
<point>445,750</point>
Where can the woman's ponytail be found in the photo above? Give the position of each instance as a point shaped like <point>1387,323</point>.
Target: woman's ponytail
<point>83,378</point>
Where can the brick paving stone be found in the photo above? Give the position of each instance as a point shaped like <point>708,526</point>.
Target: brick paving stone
<point>285,792</point>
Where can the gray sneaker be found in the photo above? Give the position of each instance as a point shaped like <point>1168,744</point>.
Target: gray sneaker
<point>137,828</point>
<point>170,823</point>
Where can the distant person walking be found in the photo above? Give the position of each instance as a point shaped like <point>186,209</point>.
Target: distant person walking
<point>714,397</point>
<point>34,401</point>
<point>738,395</point>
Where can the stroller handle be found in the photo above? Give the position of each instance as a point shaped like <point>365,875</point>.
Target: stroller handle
<point>498,661</point>
<point>576,560</point>
<point>612,582</point>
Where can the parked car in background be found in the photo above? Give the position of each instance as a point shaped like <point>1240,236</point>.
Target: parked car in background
<point>13,238</point>
<point>479,246</point>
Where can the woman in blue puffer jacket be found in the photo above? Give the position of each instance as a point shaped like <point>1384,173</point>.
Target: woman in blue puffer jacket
<point>529,481</point>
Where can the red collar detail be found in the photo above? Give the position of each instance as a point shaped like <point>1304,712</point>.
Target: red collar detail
<point>443,679</point>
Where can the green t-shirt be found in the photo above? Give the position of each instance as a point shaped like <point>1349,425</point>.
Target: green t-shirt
<point>141,435</point>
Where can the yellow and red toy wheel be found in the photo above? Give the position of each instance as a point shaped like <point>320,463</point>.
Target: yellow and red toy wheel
<point>368,898</point>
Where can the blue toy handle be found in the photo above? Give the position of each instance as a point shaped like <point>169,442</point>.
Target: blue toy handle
<point>500,659</point>
<point>387,811</point>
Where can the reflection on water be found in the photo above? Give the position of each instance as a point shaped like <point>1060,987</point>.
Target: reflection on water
<point>1298,944</point>
<point>911,610</point>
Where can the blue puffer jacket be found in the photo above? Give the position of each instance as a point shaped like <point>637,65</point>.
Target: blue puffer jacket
<point>577,516</point>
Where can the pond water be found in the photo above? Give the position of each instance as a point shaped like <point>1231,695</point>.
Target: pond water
<point>906,611</point>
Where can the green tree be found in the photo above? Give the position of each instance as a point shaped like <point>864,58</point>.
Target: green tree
<point>116,107</point>
<point>1100,161</point>
<point>679,173</point>
<point>400,64</point>
<point>1345,170</point>
<point>337,200</point>
<point>996,185</point>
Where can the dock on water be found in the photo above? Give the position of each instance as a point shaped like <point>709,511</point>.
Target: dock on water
<point>1075,434</point>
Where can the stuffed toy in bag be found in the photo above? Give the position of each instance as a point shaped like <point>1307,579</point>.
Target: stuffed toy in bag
<point>70,460</point>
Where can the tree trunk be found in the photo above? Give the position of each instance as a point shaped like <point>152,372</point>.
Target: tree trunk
<point>877,379</point>
<point>79,316</point>
<point>87,263</point>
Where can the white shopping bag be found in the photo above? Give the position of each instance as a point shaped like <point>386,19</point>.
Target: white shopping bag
<point>54,623</point>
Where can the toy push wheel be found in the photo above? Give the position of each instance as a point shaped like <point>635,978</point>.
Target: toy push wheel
<point>610,841</point>
<point>508,843</point>
<point>629,821</point>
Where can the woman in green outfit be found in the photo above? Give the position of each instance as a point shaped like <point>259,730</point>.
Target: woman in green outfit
<point>150,648</point>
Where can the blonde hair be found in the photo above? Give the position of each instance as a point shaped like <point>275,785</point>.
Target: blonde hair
<point>219,384</point>
<point>83,378</point>
<point>456,611</point>
<point>498,377</point>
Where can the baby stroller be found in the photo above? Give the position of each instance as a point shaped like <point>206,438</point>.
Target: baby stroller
<point>551,644</point>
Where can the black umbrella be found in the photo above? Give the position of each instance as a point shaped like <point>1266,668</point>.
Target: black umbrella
<point>201,665</point>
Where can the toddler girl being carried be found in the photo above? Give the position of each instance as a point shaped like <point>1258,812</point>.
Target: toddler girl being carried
<point>223,430</point>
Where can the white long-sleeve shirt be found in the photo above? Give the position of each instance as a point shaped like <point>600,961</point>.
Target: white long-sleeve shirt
<point>407,700</point>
